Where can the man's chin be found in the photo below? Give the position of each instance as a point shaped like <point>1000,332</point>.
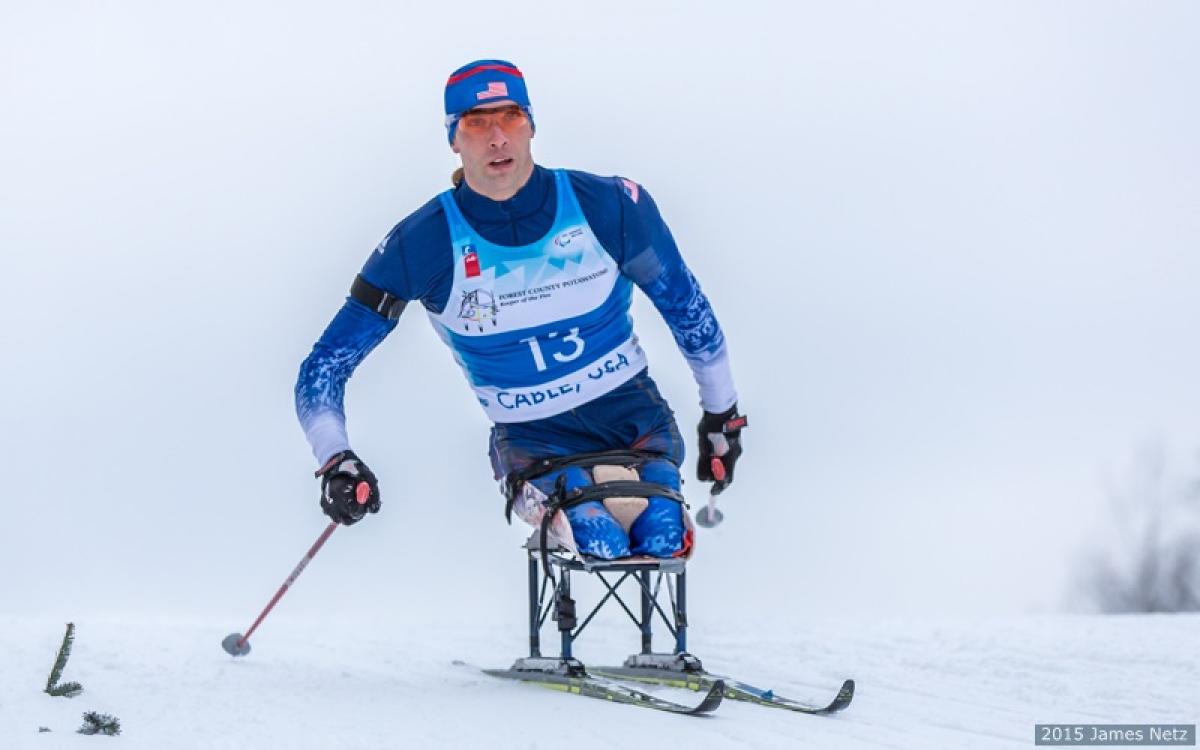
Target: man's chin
<point>499,179</point>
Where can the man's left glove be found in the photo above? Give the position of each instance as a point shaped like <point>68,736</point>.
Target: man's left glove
<point>349,489</point>
<point>720,446</point>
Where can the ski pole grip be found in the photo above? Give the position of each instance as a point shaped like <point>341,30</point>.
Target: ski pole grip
<point>362,493</point>
<point>718,469</point>
<point>720,448</point>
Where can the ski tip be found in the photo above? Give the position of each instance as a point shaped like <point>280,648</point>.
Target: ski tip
<point>844,696</point>
<point>235,645</point>
<point>715,695</point>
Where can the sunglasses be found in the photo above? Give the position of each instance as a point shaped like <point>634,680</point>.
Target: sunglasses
<point>481,121</point>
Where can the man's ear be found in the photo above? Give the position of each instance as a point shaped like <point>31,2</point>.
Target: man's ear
<point>454,147</point>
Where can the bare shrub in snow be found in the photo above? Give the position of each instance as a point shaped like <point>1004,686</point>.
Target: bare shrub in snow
<point>1151,562</point>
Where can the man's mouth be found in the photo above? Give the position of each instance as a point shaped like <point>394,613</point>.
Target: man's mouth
<point>500,162</point>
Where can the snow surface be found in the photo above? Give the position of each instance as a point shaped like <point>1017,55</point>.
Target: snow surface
<point>391,683</point>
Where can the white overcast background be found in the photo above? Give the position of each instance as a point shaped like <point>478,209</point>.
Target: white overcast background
<point>954,247</point>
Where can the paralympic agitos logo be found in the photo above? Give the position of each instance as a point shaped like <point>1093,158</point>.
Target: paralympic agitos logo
<point>564,239</point>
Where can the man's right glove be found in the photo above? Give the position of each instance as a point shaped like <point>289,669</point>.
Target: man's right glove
<point>348,488</point>
<point>720,446</point>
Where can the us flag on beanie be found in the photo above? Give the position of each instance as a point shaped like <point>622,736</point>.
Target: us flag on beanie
<point>493,90</point>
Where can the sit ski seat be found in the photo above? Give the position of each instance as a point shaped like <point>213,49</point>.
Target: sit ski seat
<point>615,481</point>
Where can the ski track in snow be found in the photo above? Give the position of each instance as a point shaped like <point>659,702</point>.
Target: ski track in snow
<point>391,684</point>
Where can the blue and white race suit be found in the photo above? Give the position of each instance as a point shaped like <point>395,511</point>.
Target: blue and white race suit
<point>532,297</point>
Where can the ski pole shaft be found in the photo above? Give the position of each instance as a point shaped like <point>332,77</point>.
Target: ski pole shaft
<point>312,552</point>
<point>236,644</point>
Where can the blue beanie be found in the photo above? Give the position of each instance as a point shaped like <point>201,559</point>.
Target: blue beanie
<point>480,82</point>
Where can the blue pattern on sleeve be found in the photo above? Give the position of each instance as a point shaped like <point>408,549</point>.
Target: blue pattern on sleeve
<point>676,294</point>
<point>653,261</point>
<point>321,384</point>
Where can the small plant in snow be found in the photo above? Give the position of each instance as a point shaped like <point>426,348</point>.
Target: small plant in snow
<point>66,689</point>
<point>98,723</point>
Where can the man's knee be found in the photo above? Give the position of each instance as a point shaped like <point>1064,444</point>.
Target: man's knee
<point>661,471</point>
<point>596,532</point>
<point>576,478</point>
<point>659,530</point>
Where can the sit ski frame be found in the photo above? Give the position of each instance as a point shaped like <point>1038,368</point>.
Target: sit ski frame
<point>550,597</point>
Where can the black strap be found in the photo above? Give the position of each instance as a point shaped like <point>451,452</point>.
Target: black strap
<point>386,304</point>
<point>618,488</point>
<point>627,457</point>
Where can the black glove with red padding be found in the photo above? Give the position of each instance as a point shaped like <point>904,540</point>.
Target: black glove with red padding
<point>720,446</point>
<point>349,489</point>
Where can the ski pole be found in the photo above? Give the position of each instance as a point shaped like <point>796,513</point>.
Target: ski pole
<point>236,644</point>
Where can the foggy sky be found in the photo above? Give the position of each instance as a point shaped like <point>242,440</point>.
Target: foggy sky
<point>953,247</point>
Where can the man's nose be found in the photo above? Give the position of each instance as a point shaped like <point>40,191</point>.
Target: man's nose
<point>497,137</point>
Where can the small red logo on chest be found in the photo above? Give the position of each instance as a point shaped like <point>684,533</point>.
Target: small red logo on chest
<point>471,264</point>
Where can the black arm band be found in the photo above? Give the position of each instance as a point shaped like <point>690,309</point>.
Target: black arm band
<point>387,305</point>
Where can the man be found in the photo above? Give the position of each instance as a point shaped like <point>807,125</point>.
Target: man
<point>526,274</point>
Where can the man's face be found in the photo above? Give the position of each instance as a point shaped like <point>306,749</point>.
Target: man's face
<point>495,149</point>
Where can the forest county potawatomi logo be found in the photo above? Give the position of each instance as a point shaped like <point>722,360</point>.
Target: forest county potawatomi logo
<point>477,306</point>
